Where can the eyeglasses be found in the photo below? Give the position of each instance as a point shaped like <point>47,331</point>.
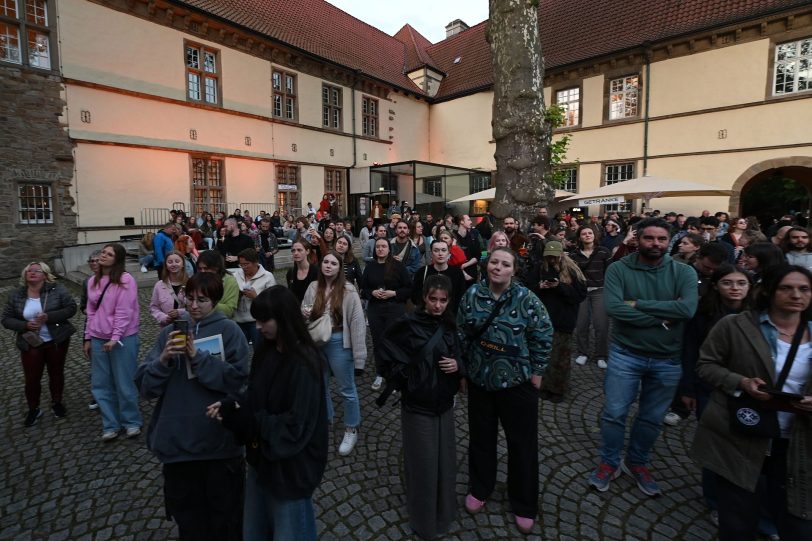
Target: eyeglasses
<point>198,300</point>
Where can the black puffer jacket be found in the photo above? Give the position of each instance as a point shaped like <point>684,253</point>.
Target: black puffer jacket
<point>561,301</point>
<point>56,301</point>
<point>426,389</point>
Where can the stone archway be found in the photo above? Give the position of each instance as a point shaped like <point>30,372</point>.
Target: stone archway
<point>798,168</point>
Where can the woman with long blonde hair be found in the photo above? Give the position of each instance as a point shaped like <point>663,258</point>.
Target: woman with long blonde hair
<point>346,348</point>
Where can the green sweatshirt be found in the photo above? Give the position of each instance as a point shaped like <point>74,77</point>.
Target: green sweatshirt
<point>231,296</point>
<point>665,293</point>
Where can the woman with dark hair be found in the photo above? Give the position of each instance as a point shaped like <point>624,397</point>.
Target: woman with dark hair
<point>211,261</point>
<point>346,349</point>
<point>168,301</point>
<point>419,240</point>
<point>508,338</point>
<point>593,261</point>
<point>386,285</point>
<point>760,257</point>
<point>757,354</point>
<point>422,354</point>
<point>352,271</point>
<point>252,279</point>
<point>303,272</point>
<point>688,247</point>
<point>111,334</point>
<point>329,239</point>
<point>282,420</point>
<point>204,473</point>
<point>38,311</point>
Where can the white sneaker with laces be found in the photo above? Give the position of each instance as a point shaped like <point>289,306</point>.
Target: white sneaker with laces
<point>349,441</point>
<point>143,268</point>
<point>133,431</point>
<point>110,435</point>
<point>602,364</point>
<point>581,360</point>
<point>376,385</point>
<point>672,419</point>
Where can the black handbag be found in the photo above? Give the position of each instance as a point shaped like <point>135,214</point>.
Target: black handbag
<point>758,418</point>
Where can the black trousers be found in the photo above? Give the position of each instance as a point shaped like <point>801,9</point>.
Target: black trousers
<point>380,316</point>
<point>205,498</point>
<point>739,509</point>
<point>517,410</point>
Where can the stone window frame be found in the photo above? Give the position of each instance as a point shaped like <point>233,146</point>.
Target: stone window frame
<point>331,107</point>
<point>285,95</point>
<point>47,208</point>
<point>790,36</point>
<point>290,200</point>
<point>25,29</point>
<point>610,93</point>
<point>202,73</point>
<point>555,98</point>
<point>335,182</point>
<point>203,201</point>
<point>624,207</point>
<point>370,114</point>
<point>570,184</point>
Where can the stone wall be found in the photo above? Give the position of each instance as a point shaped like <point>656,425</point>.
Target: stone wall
<point>34,149</point>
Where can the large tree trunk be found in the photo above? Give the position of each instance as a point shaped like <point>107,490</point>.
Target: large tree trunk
<point>521,134</point>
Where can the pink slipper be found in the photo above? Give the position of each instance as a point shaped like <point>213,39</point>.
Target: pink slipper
<point>472,505</point>
<point>524,524</point>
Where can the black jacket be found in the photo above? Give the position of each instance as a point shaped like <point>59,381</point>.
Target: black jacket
<point>56,301</point>
<point>426,389</point>
<point>282,420</point>
<point>561,301</point>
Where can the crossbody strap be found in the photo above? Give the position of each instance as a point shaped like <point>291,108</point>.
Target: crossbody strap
<point>793,350</point>
<point>101,297</point>
<point>495,312</point>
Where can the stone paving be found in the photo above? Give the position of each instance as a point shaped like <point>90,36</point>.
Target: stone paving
<point>60,482</point>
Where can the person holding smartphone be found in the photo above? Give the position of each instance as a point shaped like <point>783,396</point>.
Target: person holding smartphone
<point>198,360</point>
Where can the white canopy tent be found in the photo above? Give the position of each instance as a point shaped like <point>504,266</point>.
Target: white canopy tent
<point>648,188</point>
<point>490,194</point>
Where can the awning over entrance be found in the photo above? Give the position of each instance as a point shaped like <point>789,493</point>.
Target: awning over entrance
<point>427,187</point>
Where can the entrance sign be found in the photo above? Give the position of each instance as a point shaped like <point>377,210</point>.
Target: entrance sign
<point>287,188</point>
<point>609,200</point>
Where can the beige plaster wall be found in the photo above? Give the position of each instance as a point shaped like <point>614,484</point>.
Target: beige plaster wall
<point>460,132</point>
<point>410,129</point>
<point>592,101</point>
<point>249,181</point>
<point>716,78</point>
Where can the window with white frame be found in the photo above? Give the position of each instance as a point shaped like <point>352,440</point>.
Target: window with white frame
<point>287,189</point>
<point>480,182</point>
<point>25,33</point>
<point>570,175</point>
<point>334,184</point>
<point>35,203</point>
<point>570,101</point>
<point>623,97</point>
<point>202,74</point>
<point>793,67</point>
<point>208,186</point>
<point>369,117</point>
<point>331,107</point>
<point>433,186</point>
<point>614,173</point>
<point>284,95</point>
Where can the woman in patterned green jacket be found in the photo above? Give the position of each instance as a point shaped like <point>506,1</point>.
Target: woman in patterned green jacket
<point>507,340</point>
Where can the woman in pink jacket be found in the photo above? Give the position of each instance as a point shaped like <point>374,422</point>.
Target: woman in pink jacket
<point>169,294</point>
<point>111,334</point>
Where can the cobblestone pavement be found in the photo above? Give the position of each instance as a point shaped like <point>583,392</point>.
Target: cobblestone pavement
<point>59,482</point>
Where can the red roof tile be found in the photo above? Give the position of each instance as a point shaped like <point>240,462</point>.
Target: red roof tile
<point>571,31</point>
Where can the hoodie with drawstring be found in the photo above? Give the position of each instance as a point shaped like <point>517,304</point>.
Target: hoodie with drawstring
<point>665,298</point>
<point>179,430</point>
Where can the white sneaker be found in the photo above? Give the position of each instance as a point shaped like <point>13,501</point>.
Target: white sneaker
<point>581,359</point>
<point>133,431</point>
<point>349,441</point>
<point>109,435</point>
<point>143,268</point>
<point>376,385</point>
<point>602,364</point>
<point>672,419</point>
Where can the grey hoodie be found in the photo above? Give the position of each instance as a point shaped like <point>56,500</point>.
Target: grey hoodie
<point>179,430</point>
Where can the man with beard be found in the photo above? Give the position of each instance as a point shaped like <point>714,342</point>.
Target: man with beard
<point>403,249</point>
<point>649,297</point>
<point>517,240</point>
<point>234,243</point>
<point>268,245</point>
<point>796,247</point>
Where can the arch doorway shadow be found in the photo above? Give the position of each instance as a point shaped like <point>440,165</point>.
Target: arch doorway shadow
<point>773,188</point>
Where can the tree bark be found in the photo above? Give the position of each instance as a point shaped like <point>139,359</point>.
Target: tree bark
<point>521,134</point>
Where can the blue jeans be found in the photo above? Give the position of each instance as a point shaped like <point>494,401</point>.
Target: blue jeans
<point>627,375</point>
<point>112,379</point>
<point>147,260</point>
<point>249,330</point>
<point>342,367</point>
<point>266,517</point>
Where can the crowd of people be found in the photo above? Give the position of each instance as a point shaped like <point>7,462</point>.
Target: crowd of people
<point>686,315</point>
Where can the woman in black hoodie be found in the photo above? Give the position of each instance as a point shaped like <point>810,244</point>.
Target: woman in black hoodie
<point>420,354</point>
<point>282,419</point>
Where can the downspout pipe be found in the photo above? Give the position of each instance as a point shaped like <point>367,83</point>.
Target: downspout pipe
<point>647,89</point>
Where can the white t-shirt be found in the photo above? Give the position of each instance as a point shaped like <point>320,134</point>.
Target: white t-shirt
<point>797,378</point>
<point>33,308</point>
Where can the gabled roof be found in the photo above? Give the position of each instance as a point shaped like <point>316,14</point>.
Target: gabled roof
<point>416,48</point>
<point>571,31</point>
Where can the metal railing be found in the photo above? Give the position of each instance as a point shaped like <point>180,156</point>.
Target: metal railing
<point>154,218</point>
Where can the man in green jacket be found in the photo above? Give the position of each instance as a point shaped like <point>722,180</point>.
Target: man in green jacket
<point>649,297</point>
